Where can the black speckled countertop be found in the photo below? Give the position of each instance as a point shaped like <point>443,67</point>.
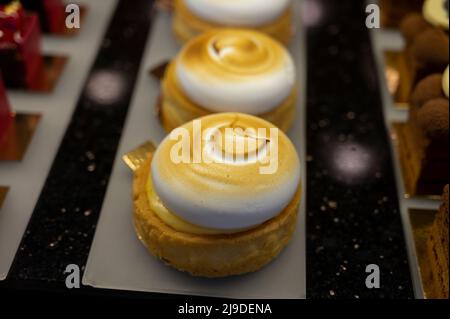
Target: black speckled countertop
<point>353,214</point>
<point>353,217</point>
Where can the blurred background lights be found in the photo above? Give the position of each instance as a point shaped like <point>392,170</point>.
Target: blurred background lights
<point>106,87</point>
<point>351,162</point>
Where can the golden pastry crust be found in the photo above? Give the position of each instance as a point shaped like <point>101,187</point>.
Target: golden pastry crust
<point>211,255</point>
<point>186,25</point>
<point>177,109</point>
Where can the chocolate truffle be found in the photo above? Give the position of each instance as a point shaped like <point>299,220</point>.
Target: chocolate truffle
<point>412,25</point>
<point>427,89</point>
<point>430,48</point>
<point>433,118</point>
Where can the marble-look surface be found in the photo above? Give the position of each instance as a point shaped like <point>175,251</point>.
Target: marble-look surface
<point>353,214</point>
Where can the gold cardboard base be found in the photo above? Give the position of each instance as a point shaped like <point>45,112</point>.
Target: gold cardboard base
<point>158,71</point>
<point>397,79</point>
<point>139,155</point>
<point>399,142</point>
<point>158,106</point>
<point>3,193</point>
<point>49,74</point>
<point>421,222</point>
<point>18,136</point>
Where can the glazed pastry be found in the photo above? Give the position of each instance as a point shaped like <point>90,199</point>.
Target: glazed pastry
<point>230,70</point>
<point>229,212</point>
<point>20,57</point>
<point>51,13</point>
<point>438,249</point>
<point>424,150</point>
<point>427,45</point>
<point>5,112</point>
<point>393,11</point>
<point>193,17</point>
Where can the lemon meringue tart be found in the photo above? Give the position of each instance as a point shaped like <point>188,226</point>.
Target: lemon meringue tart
<point>226,208</point>
<point>230,70</point>
<point>193,17</point>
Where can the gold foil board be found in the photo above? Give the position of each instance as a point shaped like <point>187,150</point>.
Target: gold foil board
<point>399,142</point>
<point>158,106</point>
<point>135,158</point>
<point>18,136</point>
<point>421,222</point>
<point>48,76</point>
<point>158,73</point>
<point>159,70</point>
<point>50,73</point>
<point>3,193</point>
<point>395,71</point>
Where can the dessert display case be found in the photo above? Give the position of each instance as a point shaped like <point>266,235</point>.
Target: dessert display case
<point>358,209</point>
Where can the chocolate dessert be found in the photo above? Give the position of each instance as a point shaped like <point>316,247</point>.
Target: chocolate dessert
<point>424,151</point>
<point>427,43</point>
<point>438,249</point>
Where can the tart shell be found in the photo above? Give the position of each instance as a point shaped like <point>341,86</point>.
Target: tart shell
<point>210,255</point>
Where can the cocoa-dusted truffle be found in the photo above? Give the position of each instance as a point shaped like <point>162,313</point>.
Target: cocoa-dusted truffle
<point>433,118</point>
<point>430,48</point>
<point>427,89</point>
<point>412,25</point>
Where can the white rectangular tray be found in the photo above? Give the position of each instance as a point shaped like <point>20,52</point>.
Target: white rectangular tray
<point>118,260</point>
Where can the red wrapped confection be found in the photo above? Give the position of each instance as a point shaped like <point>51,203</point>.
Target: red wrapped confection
<point>20,41</point>
<point>5,111</point>
<point>51,14</point>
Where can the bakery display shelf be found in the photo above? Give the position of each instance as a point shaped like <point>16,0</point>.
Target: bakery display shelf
<point>417,210</point>
<point>64,218</point>
<point>80,211</point>
<point>55,109</point>
<point>284,277</point>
